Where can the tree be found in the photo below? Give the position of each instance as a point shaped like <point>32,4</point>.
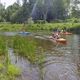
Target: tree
<point>75,9</point>
<point>24,2</point>
<point>75,13</point>
<point>18,2</point>
<point>11,10</point>
<point>2,13</point>
<point>24,12</point>
<point>57,10</point>
<point>49,10</point>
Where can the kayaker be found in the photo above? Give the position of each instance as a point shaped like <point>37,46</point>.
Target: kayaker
<point>56,35</point>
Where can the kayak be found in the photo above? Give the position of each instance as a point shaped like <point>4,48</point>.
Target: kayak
<point>66,33</point>
<point>60,40</point>
<point>24,33</point>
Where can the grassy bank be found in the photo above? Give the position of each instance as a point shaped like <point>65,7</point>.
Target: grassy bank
<point>10,27</point>
<point>72,27</point>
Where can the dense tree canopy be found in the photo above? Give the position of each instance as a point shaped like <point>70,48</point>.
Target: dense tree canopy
<point>2,13</point>
<point>47,10</point>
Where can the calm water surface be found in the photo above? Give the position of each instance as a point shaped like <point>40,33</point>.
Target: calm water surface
<point>62,62</point>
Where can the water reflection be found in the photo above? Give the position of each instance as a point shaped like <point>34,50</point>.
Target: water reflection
<point>61,62</point>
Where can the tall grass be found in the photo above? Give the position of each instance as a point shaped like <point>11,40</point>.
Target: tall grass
<point>3,50</point>
<point>7,70</point>
<point>27,47</point>
<point>37,27</point>
<point>11,74</point>
<point>73,27</point>
<point>23,46</point>
<point>10,27</point>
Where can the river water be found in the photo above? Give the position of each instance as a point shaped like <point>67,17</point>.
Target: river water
<point>62,62</point>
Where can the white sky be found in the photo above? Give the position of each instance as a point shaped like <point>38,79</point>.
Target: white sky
<point>8,2</point>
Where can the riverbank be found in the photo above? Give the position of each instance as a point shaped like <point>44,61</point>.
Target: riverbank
<point>72,27</point>
<point>10,27</point>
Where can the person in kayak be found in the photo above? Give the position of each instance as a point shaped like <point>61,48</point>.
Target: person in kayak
<point>56,35</point>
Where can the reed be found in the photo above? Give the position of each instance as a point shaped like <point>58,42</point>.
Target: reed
<point>3,50</point>
<point>27,47</point>
<point>7,70</point>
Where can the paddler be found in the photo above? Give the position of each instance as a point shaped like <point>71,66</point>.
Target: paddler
<point>56,35</point>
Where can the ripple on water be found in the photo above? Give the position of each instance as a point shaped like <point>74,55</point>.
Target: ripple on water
<point>60,71</point>
<point>57,66</point>
<point>29,72</point>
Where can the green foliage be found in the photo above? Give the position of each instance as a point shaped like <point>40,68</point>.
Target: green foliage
<point>2,13</point>
<point>25,47</point>
<point>11,10</point>
<point>73,20</point>
<point>47,10</point>
<point>1,66</point>
<point>23,13</point>
<point>7,70</point>
<point>3,50</point>
<point>10,27</point>
<point>13,70</point>
<point>11,73</point>
<point>70,26</point>
<point>40,21</point>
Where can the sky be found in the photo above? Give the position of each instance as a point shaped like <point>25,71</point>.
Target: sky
<point>8,2</point>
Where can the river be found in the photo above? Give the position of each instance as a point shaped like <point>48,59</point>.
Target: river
<point>62,62</point>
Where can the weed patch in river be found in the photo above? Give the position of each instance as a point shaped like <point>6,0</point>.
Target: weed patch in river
<point>7,70</point>
<point>10,74</point>
<point>2,46</point>
<point>27,48</point>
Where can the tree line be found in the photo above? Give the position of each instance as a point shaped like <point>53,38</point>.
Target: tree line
<point>47,10</point>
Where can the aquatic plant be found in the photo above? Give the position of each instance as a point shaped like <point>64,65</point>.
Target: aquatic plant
<point>11,74</point>
<point>27,47</point>
<point>3,50</point>
<point>1,66</point>
<point>7,70</point>
<point>13,70</point>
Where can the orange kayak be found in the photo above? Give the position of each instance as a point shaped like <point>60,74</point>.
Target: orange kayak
<point>60,40</point>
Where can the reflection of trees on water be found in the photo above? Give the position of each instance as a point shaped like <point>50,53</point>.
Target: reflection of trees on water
<point>76,51</point>
<point>79,54</point>
<point>75,46</point>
